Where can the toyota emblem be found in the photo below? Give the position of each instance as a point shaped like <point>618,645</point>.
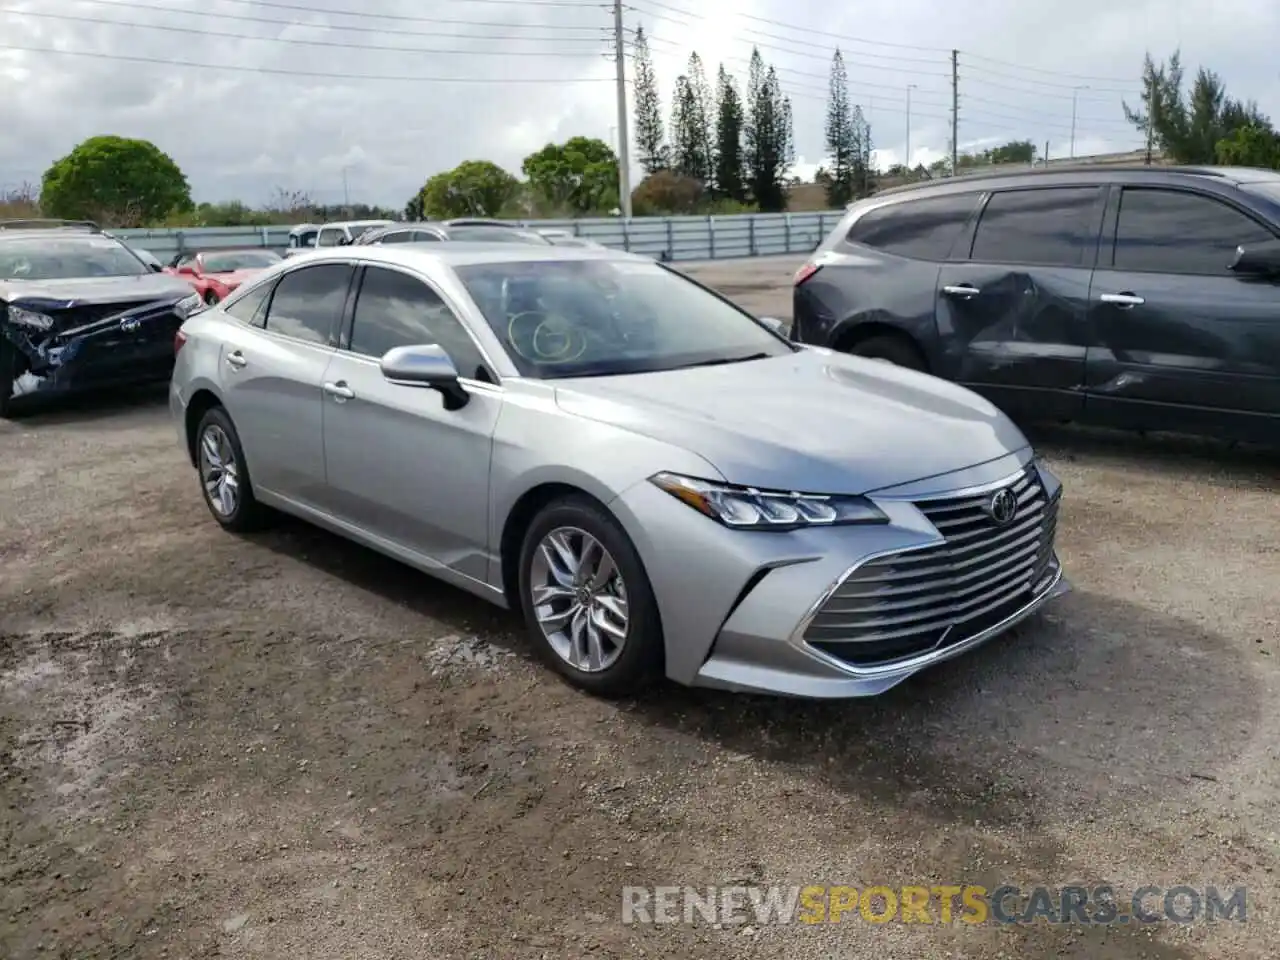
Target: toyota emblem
<point>1002,507</point>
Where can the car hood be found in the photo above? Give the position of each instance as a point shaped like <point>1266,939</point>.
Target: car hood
<point>813,421</point>
<point>90,290</point>
<point>233,278</point>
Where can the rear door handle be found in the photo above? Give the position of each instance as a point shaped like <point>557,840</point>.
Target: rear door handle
<point>961,290</point>
<point>339,391</point>
<point>236,359</point>
<point>1122,299</point>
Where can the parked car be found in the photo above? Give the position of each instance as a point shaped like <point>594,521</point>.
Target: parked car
<point>215,273</point>
<point>429,232</point>
<point>340,234</point>
<point>657,480</point>
<point>302,238</point>
<point>563,238</point>
<point>1142,297</point>
<point>80,310</point>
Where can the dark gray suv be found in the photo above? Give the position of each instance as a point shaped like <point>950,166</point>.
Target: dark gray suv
<point>1141,297</point>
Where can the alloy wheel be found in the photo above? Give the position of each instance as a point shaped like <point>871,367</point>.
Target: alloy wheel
<point>219,472</point>
<point>579,599</point>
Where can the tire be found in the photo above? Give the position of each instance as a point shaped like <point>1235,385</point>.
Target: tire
<point>244,513</point>
<point>8,369</point>
<point>210,298</point>
<point>896,350</point>
<point>637,660</point>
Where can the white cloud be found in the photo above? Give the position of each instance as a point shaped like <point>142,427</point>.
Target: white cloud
<point>243,132</point>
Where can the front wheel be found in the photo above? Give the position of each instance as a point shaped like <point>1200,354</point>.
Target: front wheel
<point>224,478</point>
<point>8,374</point>
<point>210,298</point>
<point>895,350</point>
<point>587,601</point>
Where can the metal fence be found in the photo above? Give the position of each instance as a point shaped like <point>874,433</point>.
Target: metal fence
<point>679,238</point>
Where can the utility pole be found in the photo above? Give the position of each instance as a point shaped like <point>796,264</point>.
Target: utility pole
<point>955,110</point>
<point>624,153</point>
<point>346,194</point>
<point>1074,93</point>
<point>906,160</point>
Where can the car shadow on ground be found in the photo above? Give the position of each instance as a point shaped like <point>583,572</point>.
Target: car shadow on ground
<point>111,409</point>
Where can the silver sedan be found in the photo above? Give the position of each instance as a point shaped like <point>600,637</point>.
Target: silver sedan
<point>658,482</point>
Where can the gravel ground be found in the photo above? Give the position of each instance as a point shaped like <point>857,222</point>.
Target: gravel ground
<point>287,746</point>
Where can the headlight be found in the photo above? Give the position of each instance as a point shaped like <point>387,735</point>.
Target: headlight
<point>746,508</point>
<point>31,319</point>
<point>189,305</point>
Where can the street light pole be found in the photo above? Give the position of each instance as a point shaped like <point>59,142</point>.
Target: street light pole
<point>906,162</point>
<point>1074,93</point>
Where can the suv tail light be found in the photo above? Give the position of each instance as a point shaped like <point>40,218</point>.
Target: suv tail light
<point>179,339</point>
<point>805,272</point>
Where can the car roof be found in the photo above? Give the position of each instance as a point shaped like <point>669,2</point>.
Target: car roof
<point>357,223</point>
<point>1085,173</point>
<point>56,233</point>
<point>197,251</point>
<point>468,254</point>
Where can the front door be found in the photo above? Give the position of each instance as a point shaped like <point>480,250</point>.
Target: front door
<point>399,464</point>
<point>1179,342</point>
<point>1014,313</point>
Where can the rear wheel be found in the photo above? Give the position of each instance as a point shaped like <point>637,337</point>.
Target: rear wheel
<point>224,477</point>
<point>210,298</point>
<point>8,374</point>
<point>895,350</point>
<point>587,600</point>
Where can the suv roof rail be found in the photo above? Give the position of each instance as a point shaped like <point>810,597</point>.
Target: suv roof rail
<point>482,222</point>
<point>50,222</point>
<point>994,172</point>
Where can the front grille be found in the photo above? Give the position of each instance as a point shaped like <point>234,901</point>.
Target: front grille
<point>82,314</point>
<point>910,603</point>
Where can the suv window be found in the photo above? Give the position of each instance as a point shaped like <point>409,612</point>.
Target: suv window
<point>424,236</point>
<point>330,237</point>
<point>251,306</point>
<point>398,236</point>
<point>1169,231</point>
<point>1050,226</point>
<point>924,229</point>
<point>308,302</point>
<point>394,309</point>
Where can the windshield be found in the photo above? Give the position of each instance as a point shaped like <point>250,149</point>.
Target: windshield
<point>66,258</point>
<point>573,318</point>
<point>239,260</point>
<point>493,235</point>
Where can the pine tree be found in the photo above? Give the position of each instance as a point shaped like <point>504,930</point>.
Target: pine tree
<point>768,136</point>
<point>728,151</point>
<point>698,120</point>
<point>651,139</point>
<point>842,145</point>
<point>862,182</point>
<point>686,147</point>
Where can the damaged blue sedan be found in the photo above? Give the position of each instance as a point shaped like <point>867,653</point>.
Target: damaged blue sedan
<point>81,311</point>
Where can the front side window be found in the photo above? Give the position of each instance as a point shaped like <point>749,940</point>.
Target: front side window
<point>66,258</point>
<point>397,236</point>
<point>394,309</point>
<point>923,229</point>
<point>570,318</point>
<point>1170,231</point>
<point>233,260</point>
<point>1049,226</point>
<point>308,302</point>
<point>250,307</point>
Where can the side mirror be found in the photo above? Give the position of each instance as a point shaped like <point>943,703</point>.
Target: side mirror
<point>777,326</point>
<point>1258,260</point>
<point>425,365</point>
<point>156,268</point>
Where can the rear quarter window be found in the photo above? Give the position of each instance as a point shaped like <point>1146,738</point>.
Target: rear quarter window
<point>922,229</point>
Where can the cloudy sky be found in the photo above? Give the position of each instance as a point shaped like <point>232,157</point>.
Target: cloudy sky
<point>370,97</point>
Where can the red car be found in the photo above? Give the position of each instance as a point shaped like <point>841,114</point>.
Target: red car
<point>215,273</point>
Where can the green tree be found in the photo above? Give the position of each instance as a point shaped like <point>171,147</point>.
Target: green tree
<point>119,181</point>
<point>1015,151</point>
<point>729,177</point>
<point>651,137</point>
<point>691,141</point>
<point>580,174</point>
<point>862,147</point>
<point>842,148</point>
<point>666,192</point>
<point>768,140</point>
<point>1253,145</point>
<point>474,188</point>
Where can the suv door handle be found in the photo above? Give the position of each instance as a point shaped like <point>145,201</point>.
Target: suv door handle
<point>1123,300</point>
<point>236,359</point>
<point>339,391</point>
<point>964,290</point>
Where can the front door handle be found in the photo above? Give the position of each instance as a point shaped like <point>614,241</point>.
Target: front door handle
<point>339,391</point>
<point>964,290</point>
<point>1124,300</point>
<point>236,359</point>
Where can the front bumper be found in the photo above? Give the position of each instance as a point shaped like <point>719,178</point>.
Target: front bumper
<point>741,611</point>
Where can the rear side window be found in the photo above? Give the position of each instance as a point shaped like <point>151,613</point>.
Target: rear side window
<point>1049,226</point>
<point>308,302</point>
<point>923,229</point>
<point>1168,231</point>
<point>422,236</point>
<point>400,236</point>
<point>250,308</point>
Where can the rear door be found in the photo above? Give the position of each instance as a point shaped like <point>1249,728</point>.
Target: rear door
<point>1012,317</point>
<point>272,368</point>
<point>1178,341</point>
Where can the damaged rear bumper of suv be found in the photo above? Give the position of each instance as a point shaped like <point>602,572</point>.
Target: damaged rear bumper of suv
<point>60,346</point>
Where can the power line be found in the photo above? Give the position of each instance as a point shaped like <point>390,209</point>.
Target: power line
<point>276,71</point>
<point>200,31</point>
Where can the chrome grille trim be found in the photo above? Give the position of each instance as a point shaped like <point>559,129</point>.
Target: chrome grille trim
<point>908,604</point>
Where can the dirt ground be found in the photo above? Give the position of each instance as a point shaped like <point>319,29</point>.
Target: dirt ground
<point>286,746</point>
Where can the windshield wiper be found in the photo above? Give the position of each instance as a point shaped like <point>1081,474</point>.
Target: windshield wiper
<point>720,361</point>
